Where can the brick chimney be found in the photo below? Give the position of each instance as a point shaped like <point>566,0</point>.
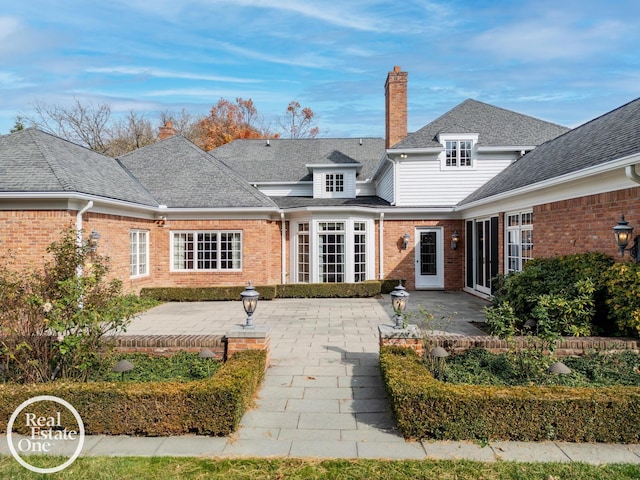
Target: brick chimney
<point>166,131</point>
<point>395,92</point>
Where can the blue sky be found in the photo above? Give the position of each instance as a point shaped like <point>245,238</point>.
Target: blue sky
<point>564,61</point>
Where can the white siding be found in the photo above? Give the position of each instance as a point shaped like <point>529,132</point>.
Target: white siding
<point>385,185</point>
<point>425,182</point>
<point>284,190</point>
<point>349,184</point>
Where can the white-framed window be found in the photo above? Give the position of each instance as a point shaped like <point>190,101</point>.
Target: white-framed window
<point>458,153</point>
<point>206,250</point>
<point>332,250</point>
<point>139,253</point>
<point>303,253</point>
<point>359,251</point>
<point>519,239</point>
<point>334,182</point>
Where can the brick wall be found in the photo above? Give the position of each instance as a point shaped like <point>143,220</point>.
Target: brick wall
<point>26,234</point>
<point>29,233</point>
<point>583,224</point>
<point>399,263</point>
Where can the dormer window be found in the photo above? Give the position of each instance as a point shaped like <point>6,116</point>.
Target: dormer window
<point>334,182</point>
<point>458,153</point>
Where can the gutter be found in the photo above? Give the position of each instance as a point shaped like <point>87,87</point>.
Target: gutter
<point>79,233</point>
<point>631,173</point>
<point>284,249</point>
<point>381,246</point>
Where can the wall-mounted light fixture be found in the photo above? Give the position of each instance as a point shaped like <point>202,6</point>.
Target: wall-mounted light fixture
<point>161,221</point>
<point>93,241</point>
<point>405,240</point>
<point>403,155</point>
<point>455,238</point>
<point>623,233</point>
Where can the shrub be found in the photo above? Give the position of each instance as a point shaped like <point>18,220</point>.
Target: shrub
<point>623,297</point>
<point>563,295</point>
<point>209,407</point>
<point>428,409</point>
<point>53,322</point>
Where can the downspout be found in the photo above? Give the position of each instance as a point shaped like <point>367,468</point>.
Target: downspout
<point>284,249</point>
<point>88,206</point>
<point>381,246</point>
<point>631,173</point>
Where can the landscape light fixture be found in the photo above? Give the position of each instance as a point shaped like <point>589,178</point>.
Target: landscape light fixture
<point>399,299</point>
<point>455,238</point>
<point>623,233</point>
<point>207,355</point>
<point>437,356</point>
<point>249,302</point>
<point>405,240</point>
<point>559,368</point>
<point>123,366</point>
<point>93,240</point>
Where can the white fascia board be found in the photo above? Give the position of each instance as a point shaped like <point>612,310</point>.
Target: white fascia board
<point>514,148</point>
<point>573,176</point>
<point>394,153</point>
<point>78,199</point>
<point>311,166</point>
<point>308,182</point>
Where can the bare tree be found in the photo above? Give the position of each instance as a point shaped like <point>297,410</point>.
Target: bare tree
<point>128,134</point>
<point>82,123</point>
<point>184,123</point>
<point>298,122</point>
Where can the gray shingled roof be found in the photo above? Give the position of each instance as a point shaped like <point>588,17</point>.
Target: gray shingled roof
<point>297,202</point>
<point>181,175</point>
<point>495,126</point>
<point>609,137</point>
<point>35,161</point>
<point>286,160</point>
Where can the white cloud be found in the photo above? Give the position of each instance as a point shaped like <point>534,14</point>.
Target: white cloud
<point>160,73</point>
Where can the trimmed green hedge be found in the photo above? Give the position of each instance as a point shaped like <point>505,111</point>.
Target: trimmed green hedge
<point>370,288</point>
<point>428,409</point>
<point>210,407</point>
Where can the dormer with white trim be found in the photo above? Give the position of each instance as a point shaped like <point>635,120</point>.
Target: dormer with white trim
<point>334,180</point>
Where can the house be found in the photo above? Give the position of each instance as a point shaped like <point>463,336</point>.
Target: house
<point>446,207</point>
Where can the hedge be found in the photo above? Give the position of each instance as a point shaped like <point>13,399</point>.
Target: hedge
<point>370,288</point>
<point>428,409</point>
<point>209,407</point>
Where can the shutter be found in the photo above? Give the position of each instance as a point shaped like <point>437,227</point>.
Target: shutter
<point>495,251</point>
<point>470,253</point>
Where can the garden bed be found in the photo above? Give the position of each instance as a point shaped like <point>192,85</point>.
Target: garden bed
<point>207,407</point>
<point>426,408</point>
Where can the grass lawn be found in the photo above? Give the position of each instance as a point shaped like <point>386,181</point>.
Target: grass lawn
<point>96,468</point>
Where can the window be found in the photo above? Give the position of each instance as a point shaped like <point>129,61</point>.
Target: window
<point>139,252</point>
<point>331,261</point>
<point>458,153</point>
<point>334,182</point>
<point>207,250</point>
<point>359,252</point>
<point>519,240</point>
<point>303,253</point>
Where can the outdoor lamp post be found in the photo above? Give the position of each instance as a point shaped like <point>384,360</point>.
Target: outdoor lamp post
<point>623,233</point>
<point>249,302</point>
<point>399,299</point>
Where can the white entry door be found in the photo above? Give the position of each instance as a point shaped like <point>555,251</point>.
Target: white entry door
<point>429,248</point>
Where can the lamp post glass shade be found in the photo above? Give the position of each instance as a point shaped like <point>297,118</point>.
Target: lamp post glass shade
<point>249,302</point>
<point>399,299</point>
<point>455,238</point>
<point>622,231</point>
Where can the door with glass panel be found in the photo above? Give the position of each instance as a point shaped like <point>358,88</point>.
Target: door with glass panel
<point>331,252</point>
<point>429,258</point>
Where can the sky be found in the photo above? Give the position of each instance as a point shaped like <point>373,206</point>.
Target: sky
<point>563,61</point>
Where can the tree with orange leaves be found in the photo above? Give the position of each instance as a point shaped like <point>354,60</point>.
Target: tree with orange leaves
<point>298,121</point>
<point>229,121</point>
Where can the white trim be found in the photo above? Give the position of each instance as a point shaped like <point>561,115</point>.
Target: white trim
<point>172,233</point>
<point>138,231</point>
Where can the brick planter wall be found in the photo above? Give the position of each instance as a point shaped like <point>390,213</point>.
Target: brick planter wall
<point>170,344</point>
